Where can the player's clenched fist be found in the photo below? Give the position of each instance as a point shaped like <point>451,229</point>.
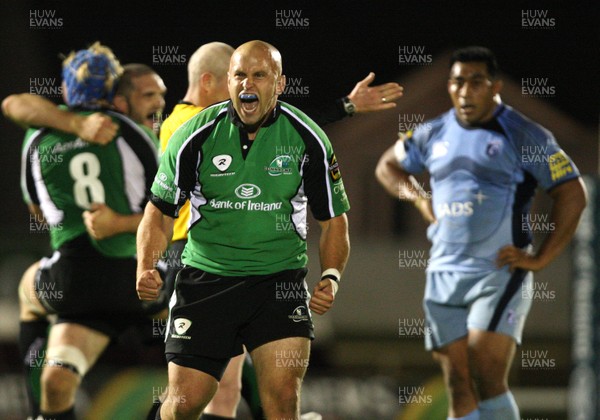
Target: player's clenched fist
<point>323,296</point>
<point>95,128</point>
<point>148,285</point>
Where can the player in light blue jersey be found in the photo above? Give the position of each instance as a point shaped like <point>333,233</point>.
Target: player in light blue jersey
<point>485,161</point>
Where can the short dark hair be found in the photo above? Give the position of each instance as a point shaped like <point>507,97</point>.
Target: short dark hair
<point>478,54</point>
<point>130,72</point>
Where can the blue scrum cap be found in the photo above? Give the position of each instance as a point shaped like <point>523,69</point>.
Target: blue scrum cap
<point>90,76</point>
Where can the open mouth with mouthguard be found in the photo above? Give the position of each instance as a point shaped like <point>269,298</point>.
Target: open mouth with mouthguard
<point>249,102</point>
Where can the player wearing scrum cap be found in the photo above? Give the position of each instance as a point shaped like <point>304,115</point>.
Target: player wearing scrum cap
<point>87,281</point>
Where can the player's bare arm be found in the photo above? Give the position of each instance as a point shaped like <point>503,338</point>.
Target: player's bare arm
<point>568,201</point>
<point>334,248</point>
<point>103,222</point>
<point>374,98</point>
<point>29,110</point>
<point>401,185</point>
<point>153,237</point>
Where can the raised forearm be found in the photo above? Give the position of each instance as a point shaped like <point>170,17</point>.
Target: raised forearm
<point>32,110</point>
<point>334,244</point>
<point>128,223</point>
<point>153,235</point>
<point>334,248</point>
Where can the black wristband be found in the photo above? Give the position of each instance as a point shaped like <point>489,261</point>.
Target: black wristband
<point>349,107</point>
<point>330,276</point>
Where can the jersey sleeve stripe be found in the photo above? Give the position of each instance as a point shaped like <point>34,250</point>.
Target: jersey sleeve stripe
<point>131,124</point>
<point>134,175</point>
<point>36,191</point>
<point>139,157</point>
<point>27,184</point>
<point>194,141</point>
<point>52,213</point>
<point>187,144</point>
<point>323,148</point>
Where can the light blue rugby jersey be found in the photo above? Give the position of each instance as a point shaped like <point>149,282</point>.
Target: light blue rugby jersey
<point>483,180</point>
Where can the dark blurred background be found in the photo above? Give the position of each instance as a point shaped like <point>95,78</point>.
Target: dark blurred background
<point>327,48</point>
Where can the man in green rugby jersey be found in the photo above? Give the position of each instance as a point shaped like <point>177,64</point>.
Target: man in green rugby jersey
<point>226,161</point>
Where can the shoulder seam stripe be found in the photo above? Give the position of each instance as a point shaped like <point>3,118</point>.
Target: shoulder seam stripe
<point>290,114</point>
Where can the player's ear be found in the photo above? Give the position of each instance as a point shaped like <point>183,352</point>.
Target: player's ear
<point>64,92</point>
<point>497,86</point>
<point>280,86</point>
<point>450,87</point>
<point>120,104</point>
<point>206,79</point>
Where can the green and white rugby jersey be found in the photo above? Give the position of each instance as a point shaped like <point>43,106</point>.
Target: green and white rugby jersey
<point>249,207</point>
<point>64,175</point>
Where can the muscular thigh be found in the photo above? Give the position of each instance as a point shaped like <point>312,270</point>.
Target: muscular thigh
<point>490,357</point>
<point>281,360</point>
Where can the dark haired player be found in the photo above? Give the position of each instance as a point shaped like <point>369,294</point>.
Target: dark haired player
<point>90,277</point>
<point>485,161</point>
